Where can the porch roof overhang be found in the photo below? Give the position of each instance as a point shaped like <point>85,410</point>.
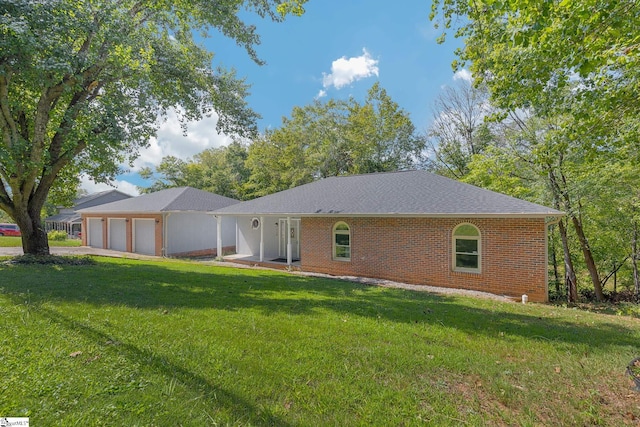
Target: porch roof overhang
<point>70,218</point>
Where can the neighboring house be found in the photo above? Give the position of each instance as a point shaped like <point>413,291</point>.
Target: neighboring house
<point>413,227</point>
<point>68,219</point>
<point>172,222</point>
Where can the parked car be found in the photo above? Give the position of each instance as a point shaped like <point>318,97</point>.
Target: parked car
<point>9,230</point>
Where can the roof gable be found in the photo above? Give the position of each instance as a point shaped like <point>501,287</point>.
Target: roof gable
<point>391,193</point>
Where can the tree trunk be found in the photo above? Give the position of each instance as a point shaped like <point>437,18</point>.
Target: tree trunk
<point>569,273</point>
<point>34,236</point>
<point>588,257</point>
<point>554,261</point>
<point>571,281</point>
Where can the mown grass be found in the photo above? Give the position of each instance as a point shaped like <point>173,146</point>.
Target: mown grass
<point>127,342</point>
<point>16,242</point>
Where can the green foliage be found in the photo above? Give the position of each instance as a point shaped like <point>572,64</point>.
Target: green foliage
<point>219,170</point>
<point>57,235</point>
<point>319,140</point>
<point>53,260</point>
<point>574,66</point>
<point>334,138</point>
<point>82,87</point>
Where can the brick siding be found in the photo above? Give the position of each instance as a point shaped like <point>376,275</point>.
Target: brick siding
<point>419,251</point>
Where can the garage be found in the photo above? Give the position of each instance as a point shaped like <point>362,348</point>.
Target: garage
<point>118,234</point>
<point>94,237</point>
<point>171,222</point>
<point>144,236</point>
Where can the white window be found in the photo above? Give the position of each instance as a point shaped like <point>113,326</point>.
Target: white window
<point>341,242</point>
<point>467,248</point>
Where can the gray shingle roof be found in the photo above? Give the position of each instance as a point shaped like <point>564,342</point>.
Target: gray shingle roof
<point>99,198</point>
<point>65,217</point>
<point>171,200</point>
<point>394,193</point>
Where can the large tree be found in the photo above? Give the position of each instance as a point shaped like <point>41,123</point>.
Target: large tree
<point>336,137</point>
<point>459,129</point>
<point>83,83</point>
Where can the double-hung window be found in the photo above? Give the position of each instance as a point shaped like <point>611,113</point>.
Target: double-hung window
<point>467,248</point>
<point>341,242</point>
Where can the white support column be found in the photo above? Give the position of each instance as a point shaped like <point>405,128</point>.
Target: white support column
<point>288,240</point>
<point>219,236</point>
<point>261,239</point>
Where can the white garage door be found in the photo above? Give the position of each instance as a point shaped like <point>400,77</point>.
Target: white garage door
<point>144,236</point>
<point>94,236</point>
<point>118,234</point>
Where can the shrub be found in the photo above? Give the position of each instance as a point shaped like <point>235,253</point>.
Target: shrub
<point>52,260</point>
<point>57,235</point>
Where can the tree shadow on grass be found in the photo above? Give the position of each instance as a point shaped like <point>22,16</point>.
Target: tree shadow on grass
<point>159,286</point>
<point>168,369</point>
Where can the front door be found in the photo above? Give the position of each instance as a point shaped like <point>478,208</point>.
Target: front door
<point>294,231</point>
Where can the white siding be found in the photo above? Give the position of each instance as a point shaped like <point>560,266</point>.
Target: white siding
<point>94,235</point>
<point>249,239</point>
<point>117,234</point>
<point>144,236</point>
<point>187,232</point>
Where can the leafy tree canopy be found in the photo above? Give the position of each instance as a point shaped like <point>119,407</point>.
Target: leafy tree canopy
<point>529,53</point>
<point>83,82</point>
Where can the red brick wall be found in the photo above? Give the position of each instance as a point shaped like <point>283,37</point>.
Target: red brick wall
<point>419,251</point>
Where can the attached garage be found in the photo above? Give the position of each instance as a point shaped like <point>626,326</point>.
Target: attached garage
<point>144,236</point>
<point>172,222</point>
<point>94,234</point>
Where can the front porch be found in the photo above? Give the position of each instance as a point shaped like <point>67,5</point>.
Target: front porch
<point>270,241</point>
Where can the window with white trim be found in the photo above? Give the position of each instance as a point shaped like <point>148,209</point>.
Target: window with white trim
<point>467,248</point>
<point>341,242</point>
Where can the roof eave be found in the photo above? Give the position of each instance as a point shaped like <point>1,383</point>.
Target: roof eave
<point>397,214</point>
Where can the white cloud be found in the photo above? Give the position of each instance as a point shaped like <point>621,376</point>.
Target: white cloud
<point>346,71</point>
<point>170,140</point>
<point>92,187</point>
<point>463,75</point>
<point>321,94</point>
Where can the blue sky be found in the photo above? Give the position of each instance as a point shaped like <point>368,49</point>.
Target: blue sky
<point>337,49</point>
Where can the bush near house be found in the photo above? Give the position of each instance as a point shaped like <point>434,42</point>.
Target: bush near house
<point>57,235</point>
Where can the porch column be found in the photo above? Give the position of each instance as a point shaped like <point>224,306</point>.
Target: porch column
<point>288,240</point>
<point>219,236</point>
<point>261,239</point>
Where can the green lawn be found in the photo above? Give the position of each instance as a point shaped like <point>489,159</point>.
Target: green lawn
<point>11,241</point>
<point>127,342</point>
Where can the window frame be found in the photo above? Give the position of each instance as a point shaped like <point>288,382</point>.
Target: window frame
<point>455,253</point>
<point>334,245</point>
